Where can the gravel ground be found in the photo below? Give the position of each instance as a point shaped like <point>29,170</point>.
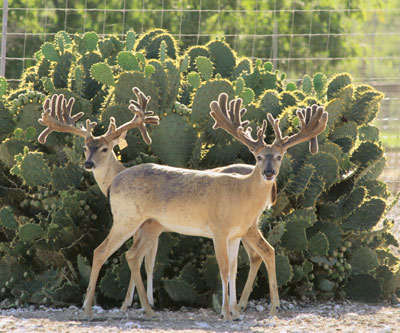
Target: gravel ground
<point>294,316</point>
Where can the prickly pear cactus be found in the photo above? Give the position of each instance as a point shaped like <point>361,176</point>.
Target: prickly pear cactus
<point>328,226</point>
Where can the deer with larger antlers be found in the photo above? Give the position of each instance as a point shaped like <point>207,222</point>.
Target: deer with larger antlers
<point>146,239</point>
<point>223,207</point>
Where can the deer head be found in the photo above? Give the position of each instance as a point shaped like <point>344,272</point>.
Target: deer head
<point>98,149</point>
<point>269,157</point>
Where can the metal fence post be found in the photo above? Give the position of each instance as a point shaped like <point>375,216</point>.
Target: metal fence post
<point>4,39</point>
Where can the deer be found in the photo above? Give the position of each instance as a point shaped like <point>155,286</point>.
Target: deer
<point>146,239</point>
<point>101,160</point>
<point>219,206</point>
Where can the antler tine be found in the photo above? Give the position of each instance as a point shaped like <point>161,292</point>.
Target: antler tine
<point>230,121</point>
<point>57,117</point>
<point>140,119</point>
<point>312,123</point>
<point>278,134</point>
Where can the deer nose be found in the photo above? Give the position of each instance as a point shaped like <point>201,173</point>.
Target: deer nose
<point>269,171</point>
<point>89,165</point>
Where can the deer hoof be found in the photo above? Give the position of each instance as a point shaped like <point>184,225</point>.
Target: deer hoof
<point>150,313</point>
<point>274,310</point>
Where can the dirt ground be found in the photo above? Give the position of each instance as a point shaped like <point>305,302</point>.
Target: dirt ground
<point>294,316</point>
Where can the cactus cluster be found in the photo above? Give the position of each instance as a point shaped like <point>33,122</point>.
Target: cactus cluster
<point>328,226</point>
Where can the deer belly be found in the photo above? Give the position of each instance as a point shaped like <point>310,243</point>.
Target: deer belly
<point>189,230</point>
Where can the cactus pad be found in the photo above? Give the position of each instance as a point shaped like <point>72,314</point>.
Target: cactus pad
<point>284,272</point>
<point>367,152</point>
<point>366,216</point>
<point>318,244</point>
<point>223,58</point>
<point>102,73</point>
<point>363,288</point>
<point>363,260</point>
<point>90,39</point>
<point>63,178</point>
<point>30,232</point>
<point>7,219</point>
<point>180,291</point>
<point>336,83</point>
<point>205,67</point>
<point>34,170</point>
<point>173,140</point>
<point>207,93</point>
<point>307,84</point>
<point>50,52</point>
<point>128,61</point>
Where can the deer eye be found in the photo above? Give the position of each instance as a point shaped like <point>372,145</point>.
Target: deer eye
<point>279,158</point>
<point>259,158</point>
<point>104,150</point>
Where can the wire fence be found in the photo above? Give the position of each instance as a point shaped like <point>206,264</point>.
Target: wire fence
<point>359,37</point>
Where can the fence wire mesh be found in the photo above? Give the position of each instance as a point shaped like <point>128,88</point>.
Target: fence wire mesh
<point>359,37</point>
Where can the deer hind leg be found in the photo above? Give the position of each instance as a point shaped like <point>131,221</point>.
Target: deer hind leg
<point>150,260</point>
<point>255,262</point>
<point>233,259</point>
<point>117,236</point>
<point>131,288</point>
<point>222,256</point>
<point>145,244</point>
<point>257,242</point>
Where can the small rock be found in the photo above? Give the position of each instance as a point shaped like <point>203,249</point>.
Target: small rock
<point>98,309</point>
<point>385,329</point>
<point>202,324</point>
<point>131,324</point>
<point>260,308</point>
<point>73,308</point>
<point>251,305</point>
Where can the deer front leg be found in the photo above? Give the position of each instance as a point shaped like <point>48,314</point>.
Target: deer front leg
<point>112,243</point>
<point>233,259</point>
<point>221,254</point>
<point>256,241</point>
<point>255,262</point>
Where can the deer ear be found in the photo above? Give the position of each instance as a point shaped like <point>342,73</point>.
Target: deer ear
<point>274,193</point>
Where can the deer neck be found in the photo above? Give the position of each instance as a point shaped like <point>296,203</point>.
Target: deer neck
<point>105,173</point>
<point>260,188</point>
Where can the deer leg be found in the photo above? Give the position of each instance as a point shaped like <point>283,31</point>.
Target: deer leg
<point>257,242</point>
<point>150,260</point>
<point>117,236</point>
<point>221,254</point>
<point>255,262</point>
<point>233,259</point>
<point>136,258</point>
<point>145,244</point>
<point>131,288</point>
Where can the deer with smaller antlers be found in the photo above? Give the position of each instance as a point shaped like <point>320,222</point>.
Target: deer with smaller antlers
<point>220,206</point>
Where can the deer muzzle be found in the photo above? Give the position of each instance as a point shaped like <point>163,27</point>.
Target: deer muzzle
<point>89,165</point>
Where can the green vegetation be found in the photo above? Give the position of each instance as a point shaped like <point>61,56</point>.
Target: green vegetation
<point>328,226</point>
